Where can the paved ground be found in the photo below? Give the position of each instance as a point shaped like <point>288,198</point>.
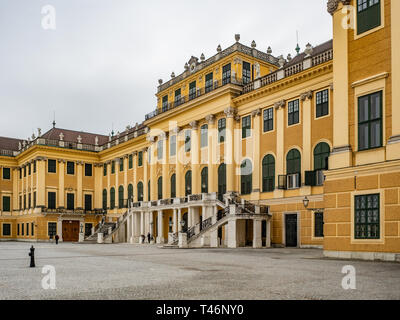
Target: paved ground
<point>122,271</point>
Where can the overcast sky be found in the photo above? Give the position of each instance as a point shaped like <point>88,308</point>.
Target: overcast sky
<point>100,67</point>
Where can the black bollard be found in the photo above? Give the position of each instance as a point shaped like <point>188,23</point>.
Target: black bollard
<point>32,255</point>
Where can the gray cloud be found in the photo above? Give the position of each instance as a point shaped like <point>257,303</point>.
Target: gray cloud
<point>101,65</point>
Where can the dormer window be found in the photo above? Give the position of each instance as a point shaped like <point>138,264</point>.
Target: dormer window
<point>165,103</point>
<point>192,90</point>
<point>246,72</point>
<point>368,15</point>
<point>226,74</point>
<point>177,97</point>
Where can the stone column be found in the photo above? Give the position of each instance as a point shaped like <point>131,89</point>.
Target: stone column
<point>126,176</point>
<point>280,145</point>
<point>268,240</point>
<point>165,167</point>
<point>179,220</point>
<point>108,183</point>
<point>195,152</point>
<point>175,221</point>
<point>212,145</point>
<point>145,175</point>
<point>79,190</point>
<point>180,185</point>
<point>142,226</point>
<point>98,182</point>
<point>341,154</point>
<point>229,150</point>
<point>61,188</point>
<point>306,162</point>
<point>257,229</point>
<point>135,169</point>
<point>151,223</point>
<point>256,153</point>
<point>232,236</point>
<point>393,147</point>
<point>160,221</point>
<point>41,182</point>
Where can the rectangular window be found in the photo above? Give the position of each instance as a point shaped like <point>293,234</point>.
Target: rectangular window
<point>367,217</point>
<point>187,140</point>
<point>178,97</point>
<point>172,146</point>
<point>121,164</point>
<point>319,225</point>
<point>226,74</point>
<point>6,204</point>
<point>6,174</point>
<point>70,201</point>
<point>32,229</point>
<point>27,229</point>
<point>6,229</point>
<point>192,90</point>
<point>29,169</point>
<point>293,112</point>
<point>160,149</point>
<point>209,82</point>
<point>293,181</point>
<point>34,199</point>
<point>88,202</point>
<point>322,108</point>
<point>34,166</point>
<point>221,130</point>
<point>368,15</point>
<point>112,167</point>
<point>130,161</point>
<point>165,103</point>
<point>246,72</point>
<point>204,136</point>
<point>51,229</point>
<point>20,173</point>
<point>246,127</point>
<point>140,158</point>
<point>51,166</point>
<point>29,200</point>
<point>70,167</point>
<point>22,229</point>
<point>51,199</point>
<point>370,121</point>
<point>25,171</point>
<point>18,229</point>
<point>269,119</point>
<point>88,170</point>
<point>24,201</point>
<point>105,169</point>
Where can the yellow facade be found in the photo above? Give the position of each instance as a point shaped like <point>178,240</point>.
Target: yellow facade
<point>293,108</point>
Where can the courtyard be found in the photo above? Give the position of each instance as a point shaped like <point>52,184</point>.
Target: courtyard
<point>124,271</point>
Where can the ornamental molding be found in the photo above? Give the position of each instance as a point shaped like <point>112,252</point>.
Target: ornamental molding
<point>333,5</point>
<point>210,119</point>
<point>194,125</point>
<point>256,113</point>
<point>280,104</point>
<point>135,153</point>
<point>176,130</point>
<point>230,112</point>
<point>306,95</point>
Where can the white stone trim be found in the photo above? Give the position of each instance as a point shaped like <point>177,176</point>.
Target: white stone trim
<point>370,256</point>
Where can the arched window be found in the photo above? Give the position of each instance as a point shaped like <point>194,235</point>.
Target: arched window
<point>120,197</point>
<point>268,173</point>
<point>188,183</point>
<point>204,180</point>
<point>293,169</point>
<point>140,191</point>
<point>148,191</point>
<point>321,155</point>
<point>204,136</point>
<point>173,186</point>
<point>159,188</point>
<point>221,181</point>
<point>130,192</point>
<point>246,177</point>
<point>112,198</point>
<point>104,199</point>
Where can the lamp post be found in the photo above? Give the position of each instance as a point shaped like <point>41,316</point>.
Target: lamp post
<point>306,203</point>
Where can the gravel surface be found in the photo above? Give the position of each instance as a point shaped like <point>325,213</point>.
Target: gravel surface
<point>123,271</point>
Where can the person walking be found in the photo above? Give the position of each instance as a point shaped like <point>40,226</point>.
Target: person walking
<point>148,237</point>
<point>57,238</point>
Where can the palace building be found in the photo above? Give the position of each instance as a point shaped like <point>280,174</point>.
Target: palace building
<point>243,149</point>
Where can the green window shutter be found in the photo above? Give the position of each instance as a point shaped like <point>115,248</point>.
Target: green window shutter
<point>130,192</point>
<point>104,199</point>
<point>88,202</point>
<point>130,161</point>
<point>140,159</point>
<point>6,174</point>
<point>310,178</point>
<point>173,186</point>
<point>368,15</point>
<point>112,198</point>
<point>70,201</point>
